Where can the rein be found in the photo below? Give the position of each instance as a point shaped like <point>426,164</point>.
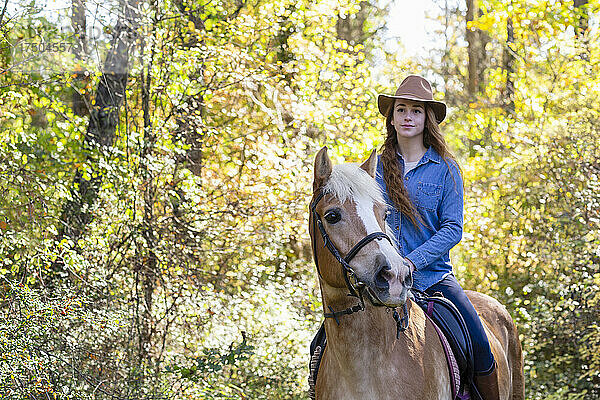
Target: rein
<point>353,284</point>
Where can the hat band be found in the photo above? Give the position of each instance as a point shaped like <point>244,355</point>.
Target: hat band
<point>414,96</point>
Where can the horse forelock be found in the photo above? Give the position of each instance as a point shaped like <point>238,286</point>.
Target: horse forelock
<point>350,182</point>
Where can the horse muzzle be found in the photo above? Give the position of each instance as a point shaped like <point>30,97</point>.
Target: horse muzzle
<point>390,284</point>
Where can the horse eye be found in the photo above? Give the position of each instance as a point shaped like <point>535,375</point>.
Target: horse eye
<point>333,216</point>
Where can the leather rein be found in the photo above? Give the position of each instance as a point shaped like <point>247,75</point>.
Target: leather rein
<point>354,285</point>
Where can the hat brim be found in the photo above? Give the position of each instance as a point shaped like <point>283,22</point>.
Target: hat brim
<point>384,101</point>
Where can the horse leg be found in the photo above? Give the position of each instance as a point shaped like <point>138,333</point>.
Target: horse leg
<point>502,374</point>
<point>504,341</point>
<point>516,357</point>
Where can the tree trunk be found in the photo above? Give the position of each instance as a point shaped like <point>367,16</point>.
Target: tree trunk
<point>482,40</point>
<point>189,117</point>
<point>3,11</point>
<point>104,117</point>
<point>581,27</point>
<point>80,51</point>
<point>472,51</point>
<point>354,29</point>
<point>147,267</point>
<point>351,29</point>
<point>509,59</point>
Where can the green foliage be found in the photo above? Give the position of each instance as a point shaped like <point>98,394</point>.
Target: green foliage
<point>532,218</point>
<point>198,232</point>
<point>213,361</point>
<point>53,345</point>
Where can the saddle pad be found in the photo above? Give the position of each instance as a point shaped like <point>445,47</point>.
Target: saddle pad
<point>458,392</point>
<point>447,317</point>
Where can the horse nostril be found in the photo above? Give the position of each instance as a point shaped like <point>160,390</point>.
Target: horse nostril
<point>380,280</point>
<point>408,280</point>
<point>384,272</point>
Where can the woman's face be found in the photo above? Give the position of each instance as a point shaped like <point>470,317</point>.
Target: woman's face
<point>408,118</point>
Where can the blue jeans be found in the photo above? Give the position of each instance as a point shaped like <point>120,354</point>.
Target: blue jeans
<point>482,354</point>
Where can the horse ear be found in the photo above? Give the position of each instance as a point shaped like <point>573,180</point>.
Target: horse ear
<point>371,164</point>
<point>322,168</point>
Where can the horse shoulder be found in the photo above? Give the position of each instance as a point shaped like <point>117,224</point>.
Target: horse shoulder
<point>414,366</point>
<point>426,349</point>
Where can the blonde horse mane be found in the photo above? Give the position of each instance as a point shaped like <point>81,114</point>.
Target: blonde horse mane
<point>348,181</point>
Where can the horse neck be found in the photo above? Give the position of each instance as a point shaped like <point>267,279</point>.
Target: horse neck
<point>365,337</point>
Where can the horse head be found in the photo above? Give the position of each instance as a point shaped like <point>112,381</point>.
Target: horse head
<point>348,218</point>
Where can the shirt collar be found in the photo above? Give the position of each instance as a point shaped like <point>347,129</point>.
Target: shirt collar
<point>430,155</point>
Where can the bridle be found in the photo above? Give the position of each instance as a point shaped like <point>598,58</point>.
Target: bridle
<point>354,285</point>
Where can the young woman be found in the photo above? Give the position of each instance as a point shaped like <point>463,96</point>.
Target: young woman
<point>423,186</point>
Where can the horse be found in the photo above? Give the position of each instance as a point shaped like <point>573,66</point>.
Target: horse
<point>374,351</point>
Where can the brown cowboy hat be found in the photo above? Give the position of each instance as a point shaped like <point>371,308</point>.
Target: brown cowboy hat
<point>417,88</point>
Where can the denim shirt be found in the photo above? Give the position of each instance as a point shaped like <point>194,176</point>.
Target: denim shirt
<point>436,189</point>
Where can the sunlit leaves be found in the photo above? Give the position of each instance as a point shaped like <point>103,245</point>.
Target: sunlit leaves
<point>199,228</point>
<point>531,213</point>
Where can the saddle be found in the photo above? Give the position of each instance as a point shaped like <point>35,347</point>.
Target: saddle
<point>453,333</point>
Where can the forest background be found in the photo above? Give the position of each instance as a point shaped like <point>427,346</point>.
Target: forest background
<point>155,171</point>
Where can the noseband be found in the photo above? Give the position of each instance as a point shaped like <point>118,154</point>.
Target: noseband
<point>354,285</point>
